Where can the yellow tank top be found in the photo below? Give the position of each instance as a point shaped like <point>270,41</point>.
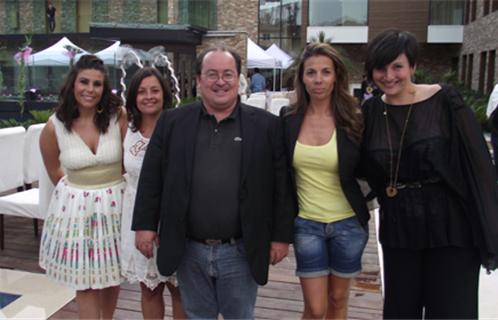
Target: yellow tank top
<point>319,191</point>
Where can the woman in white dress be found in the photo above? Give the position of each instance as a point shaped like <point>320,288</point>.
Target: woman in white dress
<point>82,152</point>
<point>148,95</point>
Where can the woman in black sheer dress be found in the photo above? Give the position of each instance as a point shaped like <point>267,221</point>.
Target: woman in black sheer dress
<point>425,158</point>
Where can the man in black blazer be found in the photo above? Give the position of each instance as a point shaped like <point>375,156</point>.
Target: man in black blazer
<point>213,192</point>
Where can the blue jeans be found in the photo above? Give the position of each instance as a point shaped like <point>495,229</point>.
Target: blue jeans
<point>216,279</point>
<point>328,248</point>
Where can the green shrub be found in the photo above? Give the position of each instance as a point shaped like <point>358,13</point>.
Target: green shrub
<point>188,100</point>
<point>38,116</point>
<point>422,76</point>
<point>7,123</point>
<point>475,100</point>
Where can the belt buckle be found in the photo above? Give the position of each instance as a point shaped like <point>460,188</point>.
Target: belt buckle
<point>400,186</point>
<point>213,242</point>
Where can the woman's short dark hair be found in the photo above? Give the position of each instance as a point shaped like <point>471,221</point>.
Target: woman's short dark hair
<point>67,108</point>
<point>387,46</point>
<point>221,48</point>
<point>134,115</point>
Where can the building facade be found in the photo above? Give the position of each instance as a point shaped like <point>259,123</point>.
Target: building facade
<point>478,68</point>
<point>455,35</point>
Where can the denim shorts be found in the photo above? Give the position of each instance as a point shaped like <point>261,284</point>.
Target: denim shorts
<point>328,248</point>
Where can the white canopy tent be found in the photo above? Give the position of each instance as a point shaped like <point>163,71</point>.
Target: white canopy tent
<point>258,58</point>
<point>56,55</point>
<point>114,54</point>
<point>283,60</point>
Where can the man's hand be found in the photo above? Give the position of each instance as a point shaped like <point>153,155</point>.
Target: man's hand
<point>144,242</point>
<point>278,251</point>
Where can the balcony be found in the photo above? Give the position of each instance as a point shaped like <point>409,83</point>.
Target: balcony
<point>445,34</point>
<point>340,34</point>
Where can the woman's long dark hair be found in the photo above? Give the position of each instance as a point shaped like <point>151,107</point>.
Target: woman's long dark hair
<point>343,105</point>
<point>134,115</point>
<point>67,109</point>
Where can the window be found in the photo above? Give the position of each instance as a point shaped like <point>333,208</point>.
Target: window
<point>467,12</point>
<point>491,71</point>
<point>338,12</point>
<point>485,7</point>
<point>464,69</point>
<point>197,13</point>
<point>446,12</point>
<point>470,63</point>
<point>280,23</point>
<point>473,10</point>
<point>482,72</point>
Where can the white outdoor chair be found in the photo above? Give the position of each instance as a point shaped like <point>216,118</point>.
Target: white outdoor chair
<point>12,146</point>
<point>256,94</point>
<point>277,103</point>
<point>32,155</point>
<point>278,94</point>
<point>33,163</point>
<point>256,102</point>
<point>27,161</point>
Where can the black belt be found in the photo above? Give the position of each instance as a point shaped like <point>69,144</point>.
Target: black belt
<point>417,184</point>
<point>214,242</point>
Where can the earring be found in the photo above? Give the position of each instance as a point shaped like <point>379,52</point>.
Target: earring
<point>100,109</point>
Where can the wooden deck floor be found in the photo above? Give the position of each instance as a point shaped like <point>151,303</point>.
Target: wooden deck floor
<point>281,298</point>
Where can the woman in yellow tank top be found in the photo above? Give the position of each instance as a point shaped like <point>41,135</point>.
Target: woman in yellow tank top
<point>322,136</point>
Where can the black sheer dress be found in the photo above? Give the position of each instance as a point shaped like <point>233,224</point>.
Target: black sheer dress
<point>426,212</point>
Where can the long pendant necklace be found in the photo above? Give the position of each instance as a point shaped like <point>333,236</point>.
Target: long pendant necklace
<point>391,189</point>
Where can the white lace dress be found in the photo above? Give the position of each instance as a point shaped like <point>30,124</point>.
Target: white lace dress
<point>135,266</point>
<point>80,242</point>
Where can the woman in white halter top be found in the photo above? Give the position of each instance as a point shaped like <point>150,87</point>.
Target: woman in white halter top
<point>148,95</point>
<point>82,151</point>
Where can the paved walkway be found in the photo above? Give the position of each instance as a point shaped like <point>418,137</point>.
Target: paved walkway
<point>281,298</point>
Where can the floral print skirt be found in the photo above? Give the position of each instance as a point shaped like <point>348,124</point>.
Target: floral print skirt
<point>81,236</point>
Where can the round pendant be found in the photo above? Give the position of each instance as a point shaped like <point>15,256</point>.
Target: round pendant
<point>391,191</point>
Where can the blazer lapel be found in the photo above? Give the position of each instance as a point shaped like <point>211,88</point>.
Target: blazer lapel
<point>293,126</point>
<point>189,127</point>
<point>248,130</point>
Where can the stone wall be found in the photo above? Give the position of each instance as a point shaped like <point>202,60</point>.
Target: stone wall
<point>115,10</point>
<point>39,17</point>
<point>148,11</point>
<point>69,12</point>
<point>26,16</point>
<point>238,15</point>
<point>3,17</point>
<point>100,11</point>
<point>131,12</point>
<point>236,40</point>
<point>480,36</point>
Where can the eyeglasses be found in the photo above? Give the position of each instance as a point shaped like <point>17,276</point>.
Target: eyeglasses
<point>227,76</point>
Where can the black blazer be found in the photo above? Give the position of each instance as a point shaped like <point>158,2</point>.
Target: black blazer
<point>348,154</point>
<point>163,195</point>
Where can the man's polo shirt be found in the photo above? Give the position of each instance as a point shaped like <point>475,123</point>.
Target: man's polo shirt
<point>214,202</point>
